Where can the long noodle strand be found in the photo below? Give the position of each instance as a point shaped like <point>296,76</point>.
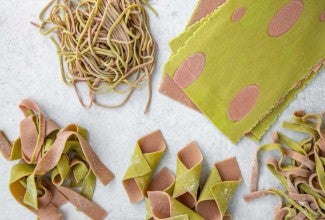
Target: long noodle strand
<point>103,43</point>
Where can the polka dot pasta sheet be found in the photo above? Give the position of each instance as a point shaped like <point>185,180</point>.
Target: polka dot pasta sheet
<point>244,62</point>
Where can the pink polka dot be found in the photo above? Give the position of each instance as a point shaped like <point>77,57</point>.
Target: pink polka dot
<point>285,19</point>
<point>322,16</point>
<point>243,102</point>
<point>238,14</point>
<point>189,71</point>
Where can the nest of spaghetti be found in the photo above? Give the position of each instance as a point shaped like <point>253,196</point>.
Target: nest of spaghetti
<point>103,43</point>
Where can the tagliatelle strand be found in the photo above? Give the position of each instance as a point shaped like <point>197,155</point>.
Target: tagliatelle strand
<point>304,177</point>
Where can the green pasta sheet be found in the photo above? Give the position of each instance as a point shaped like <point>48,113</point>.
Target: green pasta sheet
<point>145,159</point>
<point>198,17</point>
<point>188,172</point>
<point>235,55</point>
<point>165,207</point>
<point>259,130</point>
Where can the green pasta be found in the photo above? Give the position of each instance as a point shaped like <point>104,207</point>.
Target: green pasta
<point>56,165</point>
<point>105,44</point>
<point>303,177</point>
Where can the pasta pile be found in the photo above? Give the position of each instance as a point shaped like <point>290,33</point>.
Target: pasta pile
<point>179,197</point>
<point>56,165</point>
<point>303,177</point>
<point>103,43</point>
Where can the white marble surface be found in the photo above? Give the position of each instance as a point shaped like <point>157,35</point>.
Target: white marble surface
<point>29,68</point>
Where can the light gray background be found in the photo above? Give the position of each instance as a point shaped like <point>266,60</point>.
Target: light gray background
<point>29,69</point>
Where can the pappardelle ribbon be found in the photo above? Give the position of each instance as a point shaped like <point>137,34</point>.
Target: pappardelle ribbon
<point>188,173</point>
<point>164,181</point>
<point>52,161</point>
<point>144,161</point>
<point>224,178</point>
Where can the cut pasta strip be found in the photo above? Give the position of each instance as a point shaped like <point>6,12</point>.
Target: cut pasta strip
<point>145,159</point>
<point>164,181</point>
<point>218,190</point>
<point>188,172</point>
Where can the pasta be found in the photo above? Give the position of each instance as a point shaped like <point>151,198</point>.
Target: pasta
<point>164,181</point>
<point>165,207</point>
<point>188,172</point>
<point>144,161</point>
<point>53,161</point>
<point>216,51</point>
<point>303,177</point>
<point>224,178</point>
<point>170,197</point>
<point>104,43</point>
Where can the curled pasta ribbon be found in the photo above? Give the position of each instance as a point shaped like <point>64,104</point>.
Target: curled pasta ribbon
<point>165,207</point>
<point>105,44</point>
<point>188,172</point>
<point>42,181</point>
<point>144,161</point>
<point>304,177</point>
<point>164,181</point>
<point>224,178</point>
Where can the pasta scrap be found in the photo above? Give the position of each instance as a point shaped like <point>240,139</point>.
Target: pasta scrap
<point>303,177</point>
<point>52,162</point>
<point>103,43</point>
<point>144,161</point>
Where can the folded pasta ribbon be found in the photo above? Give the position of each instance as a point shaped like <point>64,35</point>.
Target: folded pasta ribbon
<point>165,207</point>
<point>303,177</point>
<point>164,181</point>
<point>218,190</point>
<point>52,161</point>
<point>145,158</point>
<point>188,172</point>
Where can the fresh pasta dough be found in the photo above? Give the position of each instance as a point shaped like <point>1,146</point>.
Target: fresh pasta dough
<point>53,161</point>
